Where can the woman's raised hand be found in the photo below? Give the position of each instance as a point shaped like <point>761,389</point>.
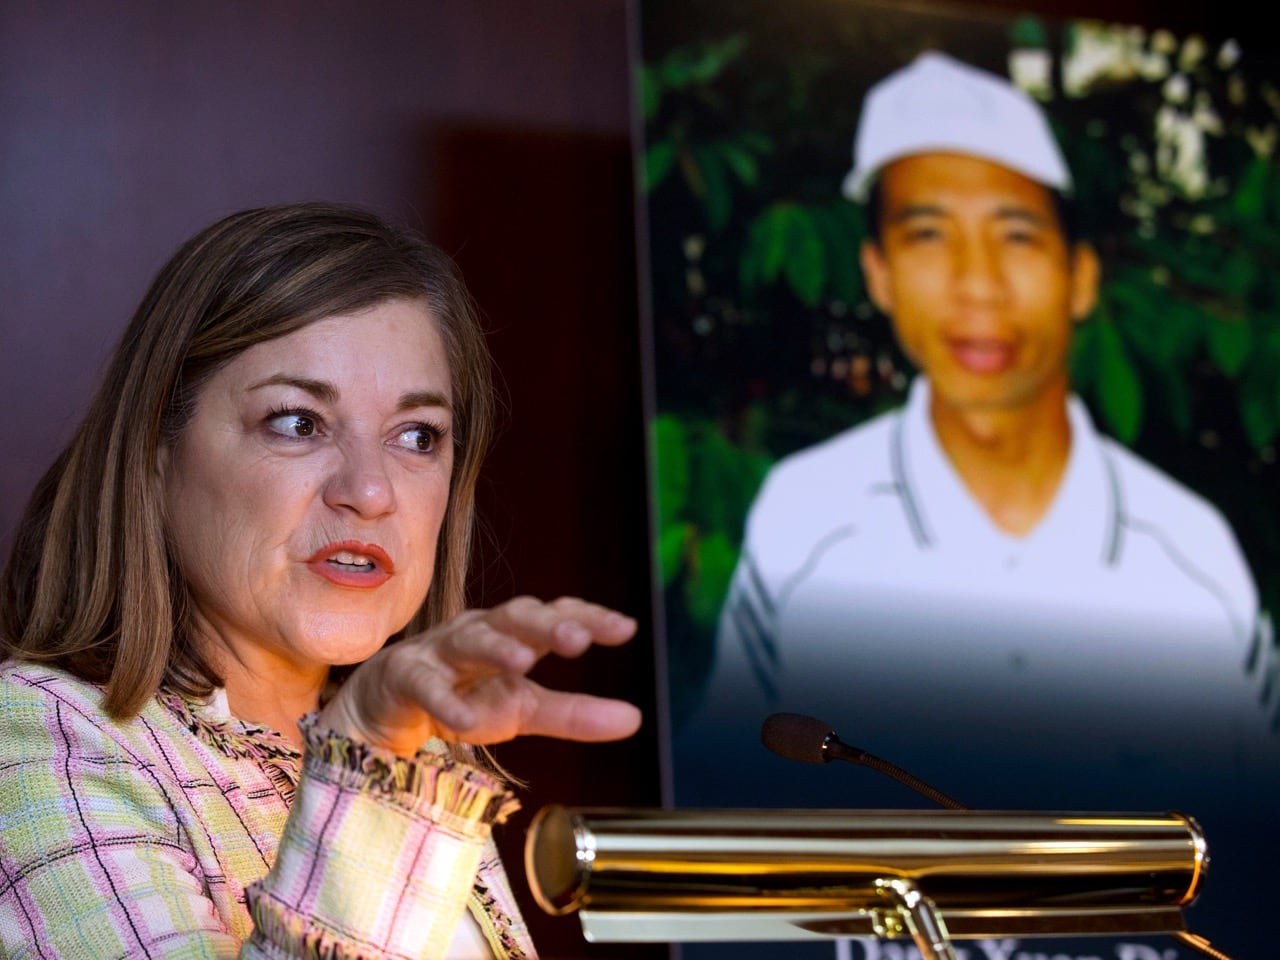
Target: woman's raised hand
<point>466,679</point>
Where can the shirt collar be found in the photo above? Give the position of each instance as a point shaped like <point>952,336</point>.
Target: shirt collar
<point>1081,522</point>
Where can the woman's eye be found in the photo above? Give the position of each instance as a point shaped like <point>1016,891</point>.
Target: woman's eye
<point>293,425</point>
<point>419,439</point>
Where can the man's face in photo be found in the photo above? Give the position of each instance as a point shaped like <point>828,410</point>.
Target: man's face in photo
<point>974,269</point>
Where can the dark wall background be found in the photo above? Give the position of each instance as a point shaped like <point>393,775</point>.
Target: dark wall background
<point>499,127</point>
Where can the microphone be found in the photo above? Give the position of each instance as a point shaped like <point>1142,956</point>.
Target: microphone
<point>795,736</point>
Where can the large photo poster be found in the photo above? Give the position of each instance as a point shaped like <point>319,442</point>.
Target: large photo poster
<point>965,340</point>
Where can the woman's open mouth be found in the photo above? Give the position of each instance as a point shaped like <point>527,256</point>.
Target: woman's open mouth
<point>349,564</point>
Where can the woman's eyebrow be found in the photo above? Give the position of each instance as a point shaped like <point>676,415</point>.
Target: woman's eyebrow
<point>320,389</point>
<point>327,392</point>
<point>425,398</point>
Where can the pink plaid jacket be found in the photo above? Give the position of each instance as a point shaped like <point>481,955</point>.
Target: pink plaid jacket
<point>180,834</point>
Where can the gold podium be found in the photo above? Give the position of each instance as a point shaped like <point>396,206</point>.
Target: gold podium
<point>636,875</point>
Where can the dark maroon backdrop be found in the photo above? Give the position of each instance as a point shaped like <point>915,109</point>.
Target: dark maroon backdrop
<point>501,128</point>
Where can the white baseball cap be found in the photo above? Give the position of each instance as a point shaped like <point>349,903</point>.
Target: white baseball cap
<point>936,104</point>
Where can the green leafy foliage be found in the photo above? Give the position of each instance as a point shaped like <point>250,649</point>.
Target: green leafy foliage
<point>785,242</point>
<point>1118,386</point>
<point>1229,341</point>
<point>704,485</point>
<point>658,161</point>
<point>1028,32</point>
<point>1259,393</point>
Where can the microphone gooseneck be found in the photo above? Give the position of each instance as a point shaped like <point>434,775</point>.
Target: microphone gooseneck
<point>795,736</point>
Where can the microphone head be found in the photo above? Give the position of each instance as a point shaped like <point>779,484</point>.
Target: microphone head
<point>796,737</point>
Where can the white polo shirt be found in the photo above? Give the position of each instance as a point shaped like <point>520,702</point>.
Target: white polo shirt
<point>872,584</point>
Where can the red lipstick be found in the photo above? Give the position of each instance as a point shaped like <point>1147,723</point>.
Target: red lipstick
<point>351,563</point>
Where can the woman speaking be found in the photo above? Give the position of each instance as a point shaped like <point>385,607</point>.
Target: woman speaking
<point>243,708</point>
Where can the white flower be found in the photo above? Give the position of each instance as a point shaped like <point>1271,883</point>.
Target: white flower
<point>1030,70</point>
<point>1228,55</point>
<point>1162,41</point>
<point>1153,66</point>
<point>1205,116</point>
<point>1193,50</point>
<point>1100,52</point>
<point>1177,88</point>
<point>1262,141</point>
<point>1180,152</point>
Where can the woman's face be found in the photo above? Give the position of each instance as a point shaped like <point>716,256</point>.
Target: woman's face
<point>305,496</point>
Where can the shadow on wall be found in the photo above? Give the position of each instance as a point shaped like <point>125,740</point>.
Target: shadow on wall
<point>541,224</point>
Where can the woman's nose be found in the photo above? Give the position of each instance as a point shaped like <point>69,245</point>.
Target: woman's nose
<point>360,480</point>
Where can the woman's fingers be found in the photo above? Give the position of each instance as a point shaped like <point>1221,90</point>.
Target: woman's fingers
<point>478,645</point>
<point>466,679</point>
<point>580,716</point>
<point>502,708</point>
<point>567,626</point>
<point>434,689</point>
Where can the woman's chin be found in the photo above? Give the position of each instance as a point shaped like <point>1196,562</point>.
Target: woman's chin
<point>343,641</point>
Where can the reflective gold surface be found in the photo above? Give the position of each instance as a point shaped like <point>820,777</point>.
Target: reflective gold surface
<point>794,874</point>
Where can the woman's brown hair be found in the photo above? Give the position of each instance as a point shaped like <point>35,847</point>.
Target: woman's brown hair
<point>90,585</point>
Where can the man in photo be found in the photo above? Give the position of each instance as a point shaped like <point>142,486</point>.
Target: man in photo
<point>983,560</point>
<point>979,586</point>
